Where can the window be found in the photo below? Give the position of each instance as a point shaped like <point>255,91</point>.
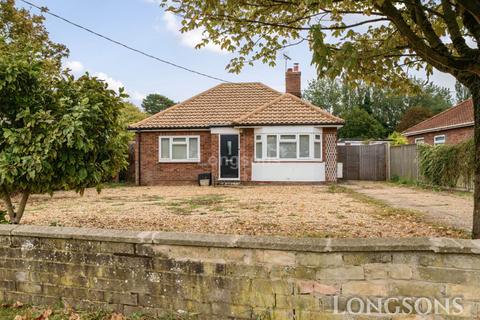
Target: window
<point>258,147</point>
<point>179,149</point>
<point>303,146</point>
<point>318,146</point>
<point>288,146</point>
<point>439,139</point>
<point>419,140</point>
<point>271,146</point>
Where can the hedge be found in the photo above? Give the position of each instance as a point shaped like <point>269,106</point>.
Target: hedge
<point>446,165</point>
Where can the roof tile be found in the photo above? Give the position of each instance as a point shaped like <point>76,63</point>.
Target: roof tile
<point>227,103</point>
<point>460,114</point>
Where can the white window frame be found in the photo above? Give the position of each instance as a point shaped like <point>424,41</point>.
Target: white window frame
<point>312,141</point>
<point>442,136</point>
<point>419,140</point>
<point>171,143</point>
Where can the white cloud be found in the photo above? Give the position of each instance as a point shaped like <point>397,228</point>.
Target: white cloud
<point>190,38</point>
<point>137,96</point>
<point>112,83</point>
<point>75,66</point>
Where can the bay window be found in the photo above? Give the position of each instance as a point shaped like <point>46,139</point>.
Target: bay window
<point>303,146</point>
<point>179,149</point>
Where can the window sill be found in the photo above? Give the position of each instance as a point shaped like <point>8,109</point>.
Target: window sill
<point>289,160</point>
<point>179,161</point>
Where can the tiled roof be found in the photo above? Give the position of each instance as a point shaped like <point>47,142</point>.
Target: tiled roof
<point>459,115</point>
<point>288,109</point>
<point>227,103</point>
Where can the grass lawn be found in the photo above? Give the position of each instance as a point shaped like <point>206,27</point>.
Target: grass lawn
<point>299,211</point>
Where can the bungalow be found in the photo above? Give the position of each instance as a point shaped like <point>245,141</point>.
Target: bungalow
<point>239,132</point>
<point>452,126</point>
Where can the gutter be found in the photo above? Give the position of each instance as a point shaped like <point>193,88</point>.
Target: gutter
<point>454,126</point>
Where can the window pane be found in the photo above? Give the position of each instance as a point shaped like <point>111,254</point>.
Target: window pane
<point>259,150</point>
<point>288,150</point>
<point>165,148</point>
<point>259,138</point>
<point>287,137</point>
<point>318,150</point>
<point>271,146</point>
<point>304,146</point>
<point>179,140</point>
<point>179,151</point>
<point>193,148</point>
<point>317,137</point>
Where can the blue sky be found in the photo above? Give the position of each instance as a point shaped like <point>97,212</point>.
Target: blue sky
<point>144,25</point>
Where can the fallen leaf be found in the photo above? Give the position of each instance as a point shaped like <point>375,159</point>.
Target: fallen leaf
<point>17,304</point>
<point>74,316</point>
<point>44,316</point>
<point>19,317</point>
<point>117,316</point>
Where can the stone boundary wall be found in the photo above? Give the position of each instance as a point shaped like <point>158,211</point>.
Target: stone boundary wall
<point>231,277</point>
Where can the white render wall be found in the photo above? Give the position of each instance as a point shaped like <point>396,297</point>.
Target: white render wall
<point>288,171</point>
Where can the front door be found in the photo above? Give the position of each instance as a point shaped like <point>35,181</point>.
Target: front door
<point>229,160</point>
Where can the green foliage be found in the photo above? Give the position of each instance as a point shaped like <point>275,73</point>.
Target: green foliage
<point>413,116</point>
<point>154,103</point>
<point>386,105</point>
<point>444,165</point>
<point>131,114</point>
<point>360,124</point>
<point>56,132</point>
<point>397,139</point>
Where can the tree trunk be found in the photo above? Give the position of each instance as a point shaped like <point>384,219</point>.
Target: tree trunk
<point>475,90</point>
<point>8,203</point>
<point>21,207</point>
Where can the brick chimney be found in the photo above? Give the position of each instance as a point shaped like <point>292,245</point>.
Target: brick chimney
<point>293,81</point>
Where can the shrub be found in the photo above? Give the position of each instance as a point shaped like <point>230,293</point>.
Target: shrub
<point>444,165</point>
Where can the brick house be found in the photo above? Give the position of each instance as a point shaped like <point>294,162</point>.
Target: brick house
<point>452,126</point>
<point>239,132</point>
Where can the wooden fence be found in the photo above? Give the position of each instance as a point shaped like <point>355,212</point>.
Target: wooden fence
<point>366,162</point>
<point>404,162</point>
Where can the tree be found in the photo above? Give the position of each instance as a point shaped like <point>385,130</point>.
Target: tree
<point>377,41</point>
<point>154,103</point>
<point>359,124</point>
<point>387,105</point>
<point>461,92</point>
<point>413,116</point>
<point>57,132</point>
<point>131,114</point>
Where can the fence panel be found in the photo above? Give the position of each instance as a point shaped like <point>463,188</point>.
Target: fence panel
<point>363,162</point>
<point>404,162</point>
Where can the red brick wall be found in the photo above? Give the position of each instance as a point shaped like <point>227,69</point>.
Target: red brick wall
<point>452,136</point>
<point>246,154</point>
<point>151,172</point>
<point>214,140</point>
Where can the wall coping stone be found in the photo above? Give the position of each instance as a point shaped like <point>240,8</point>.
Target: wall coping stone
<point>437,245</point>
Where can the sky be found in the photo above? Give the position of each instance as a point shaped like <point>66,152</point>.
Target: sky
<point>142,24</point>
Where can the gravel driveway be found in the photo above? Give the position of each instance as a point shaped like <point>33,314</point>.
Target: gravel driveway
<point>299,211</point>
<point>439,207</point>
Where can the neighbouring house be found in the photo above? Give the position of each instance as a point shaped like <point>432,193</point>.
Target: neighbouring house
<point>239,132</point>
<point>452,126</point>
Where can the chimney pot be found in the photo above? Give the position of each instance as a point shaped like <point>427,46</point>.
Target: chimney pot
<point>293,81</point>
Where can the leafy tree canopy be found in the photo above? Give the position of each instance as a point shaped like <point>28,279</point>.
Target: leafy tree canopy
<point>131,114</point>
<point>413,116</point>
<point>56,132</point>
<point>154,103</point>
<point>359,124</point>
<point>386,105</point>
